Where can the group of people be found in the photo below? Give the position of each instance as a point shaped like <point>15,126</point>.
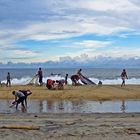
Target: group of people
<point>55,84</point>
<point>21,95</point>
<point>52,84</point>
<point>58,83</point>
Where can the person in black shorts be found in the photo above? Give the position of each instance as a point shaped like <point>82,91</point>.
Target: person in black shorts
<point>40,76</point>
<point>26,93</point>
<point>19,98</point>
<point>123,76</point>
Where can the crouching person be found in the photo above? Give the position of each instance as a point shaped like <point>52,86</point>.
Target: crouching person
<point>19,98</point>
<point>50,84</point>
<point>60,84</point>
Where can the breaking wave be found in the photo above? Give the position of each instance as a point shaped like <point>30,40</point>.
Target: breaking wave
<point>26,80</point>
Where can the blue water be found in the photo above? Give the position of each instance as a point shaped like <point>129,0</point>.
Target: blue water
<point>89,72</point>
<point>107,76</point>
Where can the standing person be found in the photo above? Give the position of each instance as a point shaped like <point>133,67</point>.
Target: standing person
<point>19,98</point>
<point>79,72</point>
<point>66,78</point>
<point>8,79</point>
<point>40,75</point>
<point>123,76</point>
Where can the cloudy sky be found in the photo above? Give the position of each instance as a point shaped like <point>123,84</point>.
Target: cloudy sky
<point>42,30</point>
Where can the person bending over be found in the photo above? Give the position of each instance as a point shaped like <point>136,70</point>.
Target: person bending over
<point>60,84</point>
<point>26,94</point>
<point>74,79</point>
<point>50,84</point>
<point>19,98</point>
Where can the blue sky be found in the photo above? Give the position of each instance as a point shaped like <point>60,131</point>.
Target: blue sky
<point>43,30</point>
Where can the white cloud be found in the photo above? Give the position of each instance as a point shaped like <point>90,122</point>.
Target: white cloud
<point>93,43</point>
<point>62,19</point>
<point>115,52</point>
<point>88,44</point>
<point>105,5</point>
<point>123,52</point>
<point>25,53</point>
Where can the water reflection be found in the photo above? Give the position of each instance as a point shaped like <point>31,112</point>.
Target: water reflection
<point>82,106</point>
<point>123,107</point>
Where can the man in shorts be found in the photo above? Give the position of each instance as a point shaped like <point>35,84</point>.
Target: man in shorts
<point>123,76</point>
<point>26,93</point>
<point>19,98</point>
<point>40,76</point>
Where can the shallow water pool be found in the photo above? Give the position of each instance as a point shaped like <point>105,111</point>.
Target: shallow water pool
<point>83,106</point>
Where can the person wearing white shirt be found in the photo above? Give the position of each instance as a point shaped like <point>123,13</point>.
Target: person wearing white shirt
<point>19,98</point>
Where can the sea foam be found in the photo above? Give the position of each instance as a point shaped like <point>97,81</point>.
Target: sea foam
<point>26,80</point>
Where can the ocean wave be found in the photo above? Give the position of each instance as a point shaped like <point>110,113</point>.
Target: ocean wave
<point>26,80</point>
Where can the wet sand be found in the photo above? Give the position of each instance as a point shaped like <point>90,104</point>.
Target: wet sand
<point>73,126</point>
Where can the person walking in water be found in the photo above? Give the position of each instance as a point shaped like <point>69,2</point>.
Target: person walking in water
<point>8,79</point>
<point>40,76</point>
<point>123,76</point>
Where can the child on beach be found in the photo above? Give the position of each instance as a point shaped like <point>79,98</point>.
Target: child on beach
<point>123,76</point>
<point>100,83</point>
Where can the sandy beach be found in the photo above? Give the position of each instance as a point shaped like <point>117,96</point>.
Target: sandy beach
<point>105,92</point>
<point>72,126</point>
